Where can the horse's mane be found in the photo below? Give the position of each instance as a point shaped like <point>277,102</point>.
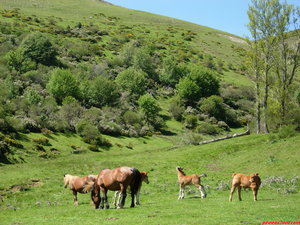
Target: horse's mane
<point>181,171</point>
<point>68,179</point>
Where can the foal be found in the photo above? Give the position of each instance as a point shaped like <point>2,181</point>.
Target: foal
<point>240,181</point>
<point>79,184</point>
<point>117,197</point>
<point>193,179</point>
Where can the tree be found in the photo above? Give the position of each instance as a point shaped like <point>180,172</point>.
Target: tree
<point>262,20</point>
<point>188,90</point>
<point>132,80</point>
<point>149,107</point>
<point>100,92</point>
<point>62,84</point>
<point>18,61</point>
<point>287,60</point>
<point>199,83</point>
<point>271,53</point>
<point>39,48</point>
<point>172,72</point>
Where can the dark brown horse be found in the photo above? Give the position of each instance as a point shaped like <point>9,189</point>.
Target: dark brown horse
<point>79,184</point>
<point>118,194</point>
<point>115,180</point>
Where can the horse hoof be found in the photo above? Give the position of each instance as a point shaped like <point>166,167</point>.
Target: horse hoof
<point>107,207</point>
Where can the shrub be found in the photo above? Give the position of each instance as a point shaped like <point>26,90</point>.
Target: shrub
<point>176,109</point>
<point>38,48</point>
<point>63,84</point>
<point>132,80</point>
<point>41,141</point>
<point>207,128</point>
<point>191,121</point>
<point>131,118</point>
<point>287,131</point>
<point>149,106</point>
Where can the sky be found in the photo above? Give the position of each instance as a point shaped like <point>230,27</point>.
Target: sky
<point>226,15</point>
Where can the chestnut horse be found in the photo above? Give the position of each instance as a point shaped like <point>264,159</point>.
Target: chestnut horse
<point>193,179</point>
<point>117,179</point>
<point>245,181</point>
<point>144,178</point>
<point>79,184</point>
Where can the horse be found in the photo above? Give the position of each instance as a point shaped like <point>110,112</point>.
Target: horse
<point>117,197</point>
<point>245,181</point>
<point>79,184</point>
<point>117,179</point>
<point>193,179</point>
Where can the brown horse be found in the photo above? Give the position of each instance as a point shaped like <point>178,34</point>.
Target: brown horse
<point>115,180</point>
<point>144,178</point>
<point>245,181</point>
<point>193,179</point>
<point>79,184</point>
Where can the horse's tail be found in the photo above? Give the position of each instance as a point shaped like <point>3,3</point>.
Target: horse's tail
<point>137,180</point>
<point>88,187</point>
<point>203,175</point>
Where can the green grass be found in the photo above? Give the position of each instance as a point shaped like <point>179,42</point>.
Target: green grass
<point>48,202</point>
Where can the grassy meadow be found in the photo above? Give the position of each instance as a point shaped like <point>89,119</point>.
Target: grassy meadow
<point>33,193</point>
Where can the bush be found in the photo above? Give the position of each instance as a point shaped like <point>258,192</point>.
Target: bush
<point>207,128</point>
<point>38,48</point>
<point>132,80</point>
<point>287,131</point>
<point>176,109</point>
<point>41,141</point>
<point>191,121</point>
<point>63,84</point>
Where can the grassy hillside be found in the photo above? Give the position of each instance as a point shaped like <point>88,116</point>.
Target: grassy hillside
<point>171,35</point>
<point>33,192</point>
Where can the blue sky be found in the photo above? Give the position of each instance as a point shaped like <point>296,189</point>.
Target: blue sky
<point>226,15</point>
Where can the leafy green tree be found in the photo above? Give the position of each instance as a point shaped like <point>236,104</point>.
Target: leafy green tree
<point>172,72</point>
<point>32,96</point>
<point>132,80</point>
<point>149,106</point>
<point>62,84</point>
<point>17,61</point>
<point>39,48</point>
<point>188,90</point>
<point>206,80</point>
<point>213,106</point>
<point>143,60</point>
<point>100,92</point>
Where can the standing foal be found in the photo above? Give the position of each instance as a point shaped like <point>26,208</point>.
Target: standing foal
<point>185,180</point>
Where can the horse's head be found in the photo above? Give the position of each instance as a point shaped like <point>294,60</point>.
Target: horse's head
<point>95,195</point>
<point>145,177</point>
<point>255,179</point>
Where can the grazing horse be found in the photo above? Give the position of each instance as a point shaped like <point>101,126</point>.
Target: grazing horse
<point>79,184</point>
<point>193,179</point>
<point>144,178</point>
<point>245,181</point>
<point>117,179</point>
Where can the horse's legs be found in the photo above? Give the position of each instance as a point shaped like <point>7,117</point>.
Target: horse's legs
<point>124,194</point>
<point>239,193</point>
<point>75,197</point>
<point>132,199</point>
<point>202,191</point>
<point>255,190</point>
<point>105,198</point>
<point>181,192</point>
<point>116,198</point>
<point>231,192</point>
<point>137,201</point>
